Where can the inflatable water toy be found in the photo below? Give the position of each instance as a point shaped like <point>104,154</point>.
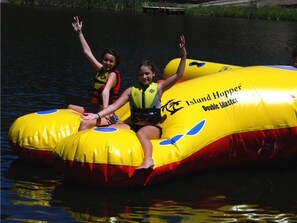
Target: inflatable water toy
<point>240,117</point>
<point>196,68</point>
<point>34,136</point>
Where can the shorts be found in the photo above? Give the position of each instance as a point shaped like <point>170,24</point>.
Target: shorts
<point>135,128</point>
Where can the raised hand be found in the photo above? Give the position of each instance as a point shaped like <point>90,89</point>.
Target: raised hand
<point>182,45</point>
<point>77,25</point>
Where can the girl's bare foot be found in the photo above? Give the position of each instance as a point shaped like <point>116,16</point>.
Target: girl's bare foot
<point>146,164</point>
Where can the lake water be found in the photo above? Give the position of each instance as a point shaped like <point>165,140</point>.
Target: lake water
<point>42,67</point>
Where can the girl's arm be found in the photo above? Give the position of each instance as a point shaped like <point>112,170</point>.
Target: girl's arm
<point>169,82</point>
<point>111,82</point>
<point>77,26</point>
<point>111,108</point>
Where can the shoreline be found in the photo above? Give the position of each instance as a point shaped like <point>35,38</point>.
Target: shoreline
<point>255,9</point>
<point>248,12</point>
<point>246,3</point>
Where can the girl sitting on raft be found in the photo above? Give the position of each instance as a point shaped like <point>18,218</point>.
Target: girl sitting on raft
<point>145,117</point>
<point>106,84</point>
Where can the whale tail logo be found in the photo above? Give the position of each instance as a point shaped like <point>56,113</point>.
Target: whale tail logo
<point>193,131</point>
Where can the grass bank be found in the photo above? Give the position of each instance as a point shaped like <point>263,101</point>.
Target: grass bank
<point>114,5</point>
<point>250,12</point>
<point>264,12</point>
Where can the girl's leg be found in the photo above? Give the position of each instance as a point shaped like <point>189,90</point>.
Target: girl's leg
<point>90,124</point>
<point>145,134</point>
<point>76,108</point>
<point>87,124</point>
<point>120,126</point>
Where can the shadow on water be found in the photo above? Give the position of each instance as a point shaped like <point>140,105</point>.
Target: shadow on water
<point>32,181</point>
<point>226,194</point>
<point>27,191</point>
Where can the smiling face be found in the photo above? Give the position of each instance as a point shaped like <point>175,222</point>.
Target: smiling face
<point>109,61</point>
<point>145,75</point>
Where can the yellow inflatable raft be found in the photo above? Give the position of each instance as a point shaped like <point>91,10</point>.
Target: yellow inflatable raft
<point>34,136</point>
<point>196,68</point>
<point>239,117</point>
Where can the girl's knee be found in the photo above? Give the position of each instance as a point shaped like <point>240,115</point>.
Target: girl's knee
<point>141,135</point>
<point>76,108</point>
<point>84,125</point>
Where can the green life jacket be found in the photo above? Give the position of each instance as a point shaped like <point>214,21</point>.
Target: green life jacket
<point>145,104</point>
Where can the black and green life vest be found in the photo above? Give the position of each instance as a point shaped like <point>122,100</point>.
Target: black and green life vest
<point>145,104</point>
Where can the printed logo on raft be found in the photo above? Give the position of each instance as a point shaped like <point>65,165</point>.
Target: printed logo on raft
<point>225,97</point>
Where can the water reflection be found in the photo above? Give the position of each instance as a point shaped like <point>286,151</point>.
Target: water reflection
<point>224,196</point>
<point>31,186</point>
<point>243,195</point>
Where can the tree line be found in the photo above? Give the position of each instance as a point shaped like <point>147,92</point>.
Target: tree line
<point>117,5</point>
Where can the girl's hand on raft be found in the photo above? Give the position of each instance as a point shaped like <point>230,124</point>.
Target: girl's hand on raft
<point>89,116</point>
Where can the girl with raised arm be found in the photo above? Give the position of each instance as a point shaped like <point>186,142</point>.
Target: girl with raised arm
<point>106,84</point>
<point>145,105</point>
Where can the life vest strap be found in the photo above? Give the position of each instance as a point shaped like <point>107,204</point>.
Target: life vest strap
<point>152,115</point>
